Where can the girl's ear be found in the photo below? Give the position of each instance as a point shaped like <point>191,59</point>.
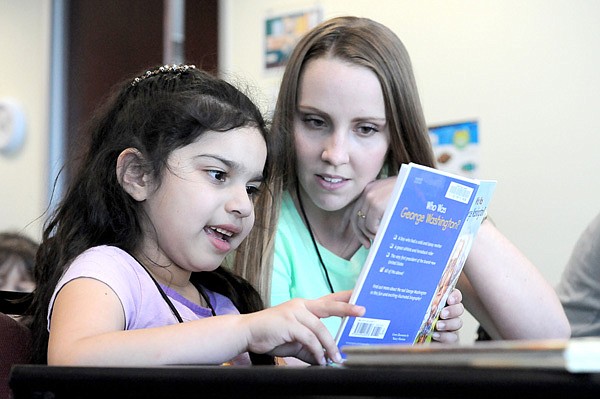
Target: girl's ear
<point>131,174</point>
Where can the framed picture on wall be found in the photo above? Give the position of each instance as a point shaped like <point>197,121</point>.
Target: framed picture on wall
<point>456,147</point>
<point>282,32</point>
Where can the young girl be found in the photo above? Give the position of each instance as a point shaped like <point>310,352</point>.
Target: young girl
<point>128,270</point>
<point>347,116</point>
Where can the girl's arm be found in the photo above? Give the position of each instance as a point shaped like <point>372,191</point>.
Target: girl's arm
<point>87,328</point>
<point>507,294</point>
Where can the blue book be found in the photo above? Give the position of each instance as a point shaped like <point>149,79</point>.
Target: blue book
<point>416,257</point>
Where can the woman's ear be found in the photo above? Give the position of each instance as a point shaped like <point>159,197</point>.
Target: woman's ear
<point>131,174</point>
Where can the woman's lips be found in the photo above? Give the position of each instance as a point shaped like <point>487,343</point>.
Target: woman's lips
<point>329,182</point>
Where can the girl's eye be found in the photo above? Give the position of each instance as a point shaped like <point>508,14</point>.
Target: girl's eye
<point>218,175</point>
<point>253,191</point>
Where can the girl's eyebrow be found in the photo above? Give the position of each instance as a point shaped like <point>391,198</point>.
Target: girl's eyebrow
<point>236,166</point>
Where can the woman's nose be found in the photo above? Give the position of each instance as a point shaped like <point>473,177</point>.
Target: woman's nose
<point>336,149</point>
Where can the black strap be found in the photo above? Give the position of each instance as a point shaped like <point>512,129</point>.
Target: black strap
<point>312,237</point>
<point>166,298</point>
<point>161,291</point>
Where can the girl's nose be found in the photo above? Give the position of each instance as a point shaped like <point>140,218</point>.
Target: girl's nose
<point>240,203</point>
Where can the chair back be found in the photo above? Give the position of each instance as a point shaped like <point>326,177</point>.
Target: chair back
<point>15,337</point>
<point>15,340</point>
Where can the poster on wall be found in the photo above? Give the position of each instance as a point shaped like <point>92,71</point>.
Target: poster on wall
<point>456,147</point>
<point>282,32</point>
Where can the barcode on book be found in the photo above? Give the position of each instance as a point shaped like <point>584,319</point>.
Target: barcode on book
<point>459,192</point>
<point>369,328</point>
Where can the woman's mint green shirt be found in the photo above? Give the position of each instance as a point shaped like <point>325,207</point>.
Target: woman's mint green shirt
<point>297,272</point>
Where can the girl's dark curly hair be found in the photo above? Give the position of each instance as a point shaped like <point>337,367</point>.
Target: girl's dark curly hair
<point>156,113</point>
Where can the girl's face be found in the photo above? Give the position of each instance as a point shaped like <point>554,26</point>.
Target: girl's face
<point>340,130</point>
<point>204,208</point>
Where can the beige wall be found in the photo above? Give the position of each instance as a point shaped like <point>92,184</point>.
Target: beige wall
<point>528,70</point>
<point>24,77</point>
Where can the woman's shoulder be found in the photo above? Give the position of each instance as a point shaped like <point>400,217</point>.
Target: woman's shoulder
<point>289,223</point>
<point>288,209</point>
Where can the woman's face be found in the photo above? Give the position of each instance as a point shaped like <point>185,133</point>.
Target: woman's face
<point>340,131</point>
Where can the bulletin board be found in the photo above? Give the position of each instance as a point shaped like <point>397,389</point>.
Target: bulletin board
<point>456,147</point>
<point>282,32</point>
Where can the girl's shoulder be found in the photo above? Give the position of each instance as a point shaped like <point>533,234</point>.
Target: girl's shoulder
<point>106,259</point>
<point>104,251</point>
<point>111,265</point>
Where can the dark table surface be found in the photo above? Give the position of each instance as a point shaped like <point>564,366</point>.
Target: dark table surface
<point>37,381</point>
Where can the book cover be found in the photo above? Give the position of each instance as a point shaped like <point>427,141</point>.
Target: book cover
<point>576,355</point>
<point>416,257</point>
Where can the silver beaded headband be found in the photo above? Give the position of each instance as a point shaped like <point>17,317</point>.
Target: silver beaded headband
<point>163,69</point>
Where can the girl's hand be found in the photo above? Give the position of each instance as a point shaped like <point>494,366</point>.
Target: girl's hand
<point>294,328</point>
<point>369,208</point>
<point>446,328</point>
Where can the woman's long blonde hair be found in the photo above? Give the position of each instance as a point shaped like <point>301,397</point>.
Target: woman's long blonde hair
<point>359,41</point>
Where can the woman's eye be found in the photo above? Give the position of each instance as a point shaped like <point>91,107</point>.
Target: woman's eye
<point>218,175</point>
<point>367,130</point>
<point>313,121</point>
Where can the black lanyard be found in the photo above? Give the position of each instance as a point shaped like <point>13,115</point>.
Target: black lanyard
<point>314,242</point>
<point>166,298</point>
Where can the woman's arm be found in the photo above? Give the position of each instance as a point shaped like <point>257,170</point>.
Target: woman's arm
<point>87,328</point>
<point>506,293</point>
